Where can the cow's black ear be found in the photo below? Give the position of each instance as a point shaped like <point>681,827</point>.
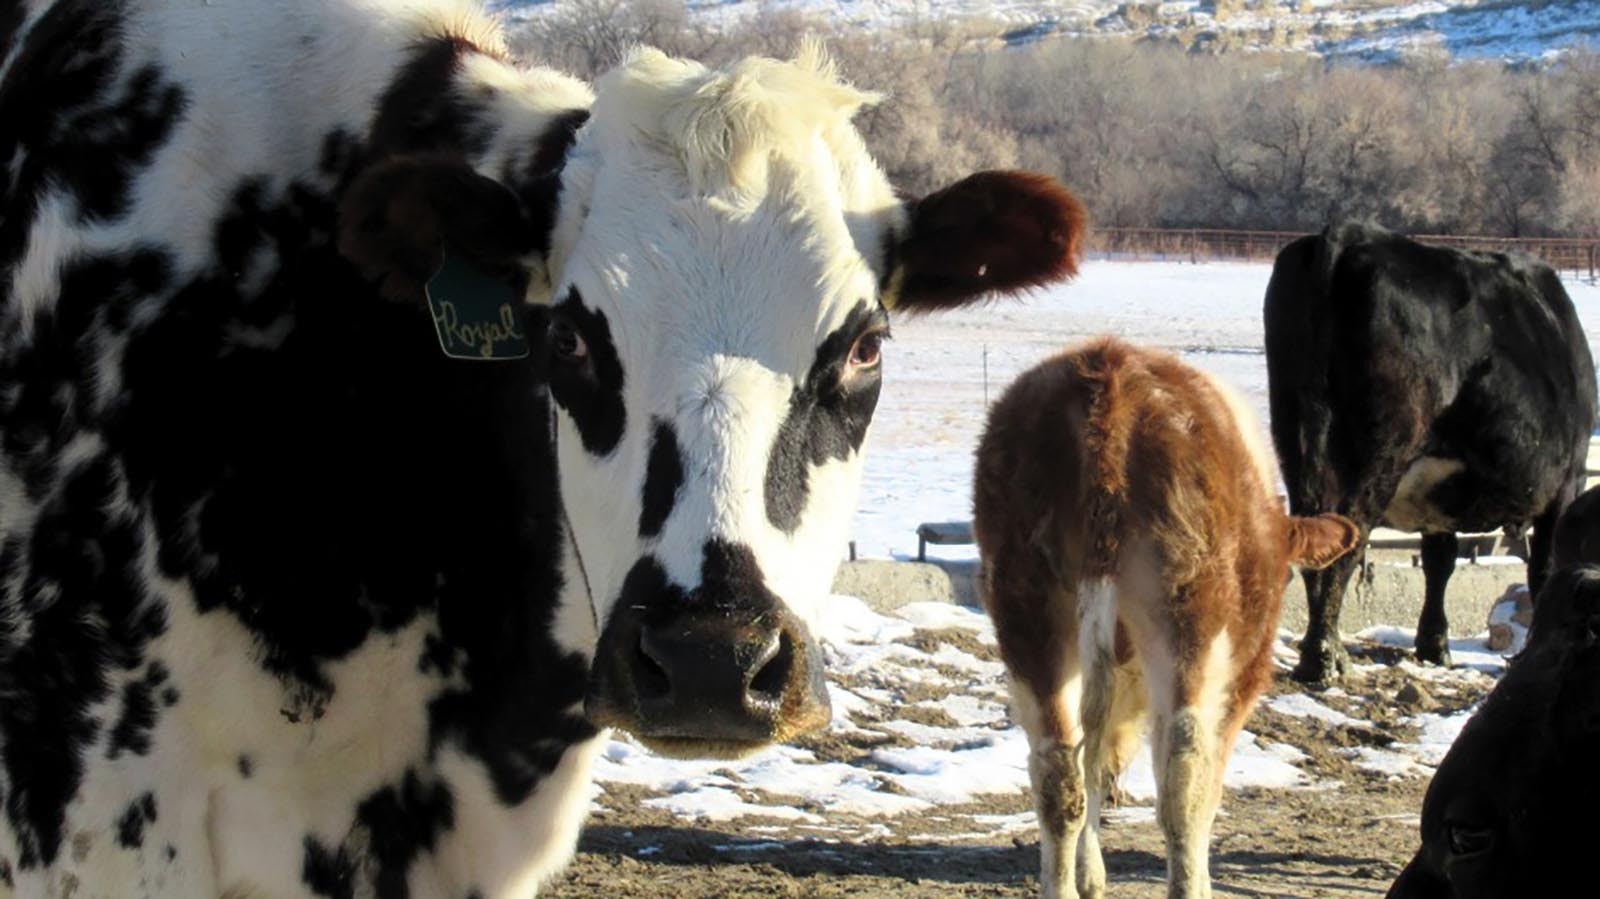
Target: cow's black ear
<point>990,233</point>
<point>399,215</point>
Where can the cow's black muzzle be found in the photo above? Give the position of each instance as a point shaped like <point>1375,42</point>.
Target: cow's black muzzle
<point>707,673</point>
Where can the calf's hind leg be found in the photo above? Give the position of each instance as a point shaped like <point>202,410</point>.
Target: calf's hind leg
<point>1038,639</point>
<point>1056,772</point>
<point>1188,689</point>
<point>1101,705</point>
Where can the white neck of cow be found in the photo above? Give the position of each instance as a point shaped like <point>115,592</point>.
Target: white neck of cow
<point>728,261</point>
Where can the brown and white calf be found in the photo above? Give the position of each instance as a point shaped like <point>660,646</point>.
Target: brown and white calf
<point>1135,558</point>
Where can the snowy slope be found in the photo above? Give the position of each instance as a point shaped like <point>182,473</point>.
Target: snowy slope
<point>1374,30</point>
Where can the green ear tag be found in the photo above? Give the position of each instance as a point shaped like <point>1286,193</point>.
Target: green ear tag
<point>474,314</point>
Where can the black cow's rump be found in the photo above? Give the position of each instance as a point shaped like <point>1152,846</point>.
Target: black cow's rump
<point>1382,351</point>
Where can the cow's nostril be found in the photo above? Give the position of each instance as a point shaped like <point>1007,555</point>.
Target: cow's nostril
<point>650,680</point>
<point>773,676</point>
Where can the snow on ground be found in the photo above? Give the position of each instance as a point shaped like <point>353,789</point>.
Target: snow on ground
<point>919,699</point>
<point>941,370</point>
<point>1468,652</point>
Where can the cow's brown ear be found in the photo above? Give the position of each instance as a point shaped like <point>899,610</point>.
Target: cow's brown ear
<point>398,216</point>
<point>1322,540</point>
<point>989,233</point>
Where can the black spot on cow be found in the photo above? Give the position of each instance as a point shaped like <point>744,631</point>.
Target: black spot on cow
<point>341,153</point>
<point>171,853</point>
<point>586,375</point>
<point>131,824</point>
<point>246,767</point>
<point>539,185</point>
<point>12,13</point>
<point>52,389</point>
<point>131,734</point>
<point>663,477</point>
<point>328,872</point>
<point>394,826</point>
<point>82,558</point>
<point>437,657</point>
<point>827,419</point>
<point>401,823</point>
<point>72,123</point>
<point>420,111</point>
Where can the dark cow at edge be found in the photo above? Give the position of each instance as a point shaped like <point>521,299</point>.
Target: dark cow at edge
<point>1578,532</point>
<point>1510,812</point>
<point>1426,389</point>
<point>293,603</point>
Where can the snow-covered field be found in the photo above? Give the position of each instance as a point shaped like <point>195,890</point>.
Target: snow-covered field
<point>920,786</point>
<point>925,689</point>
<point>919,454</point>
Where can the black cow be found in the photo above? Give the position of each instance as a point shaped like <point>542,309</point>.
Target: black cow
<point>1578,532</point>
<point>1428,389</point>
<point>1510,812</point>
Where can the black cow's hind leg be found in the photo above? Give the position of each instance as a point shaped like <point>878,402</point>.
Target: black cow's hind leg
<point>1433,628</point>
<point>1322,655</point>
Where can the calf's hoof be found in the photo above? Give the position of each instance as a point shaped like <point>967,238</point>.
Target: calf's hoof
<point>1433,649</point>
<point>1321,662</point>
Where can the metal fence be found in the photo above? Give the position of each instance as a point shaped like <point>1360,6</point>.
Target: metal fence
<point>1577,255</point>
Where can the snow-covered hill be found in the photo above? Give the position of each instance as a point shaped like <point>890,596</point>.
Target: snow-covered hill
<point>1372,30</point>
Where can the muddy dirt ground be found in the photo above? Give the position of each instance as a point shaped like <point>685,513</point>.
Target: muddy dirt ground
<point>1347,834</point>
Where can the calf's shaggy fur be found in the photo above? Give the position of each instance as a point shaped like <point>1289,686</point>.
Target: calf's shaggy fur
<point>1135,558</point>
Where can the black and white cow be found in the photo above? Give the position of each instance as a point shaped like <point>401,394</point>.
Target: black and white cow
<point>1510,812</point>
<point>303,307</point>
<point>1428,389</point>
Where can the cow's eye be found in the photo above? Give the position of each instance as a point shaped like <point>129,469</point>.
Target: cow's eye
<point>566,344</point>
<point>868,349</point>
<point>1469,839</point>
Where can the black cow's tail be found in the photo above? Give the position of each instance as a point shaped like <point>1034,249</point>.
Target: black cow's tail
<point>1299,323</point>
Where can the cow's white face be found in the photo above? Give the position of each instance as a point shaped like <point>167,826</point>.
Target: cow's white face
<point>715,356</point>
<point>722,261</point>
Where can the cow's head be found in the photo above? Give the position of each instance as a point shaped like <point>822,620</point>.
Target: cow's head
<point>1507,811</point>
<point>723,263</point>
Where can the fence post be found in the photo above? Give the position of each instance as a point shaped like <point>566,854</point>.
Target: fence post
<point>1194,249</point>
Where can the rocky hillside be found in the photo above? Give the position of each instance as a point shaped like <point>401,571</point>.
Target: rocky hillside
<point>1368,30</point>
